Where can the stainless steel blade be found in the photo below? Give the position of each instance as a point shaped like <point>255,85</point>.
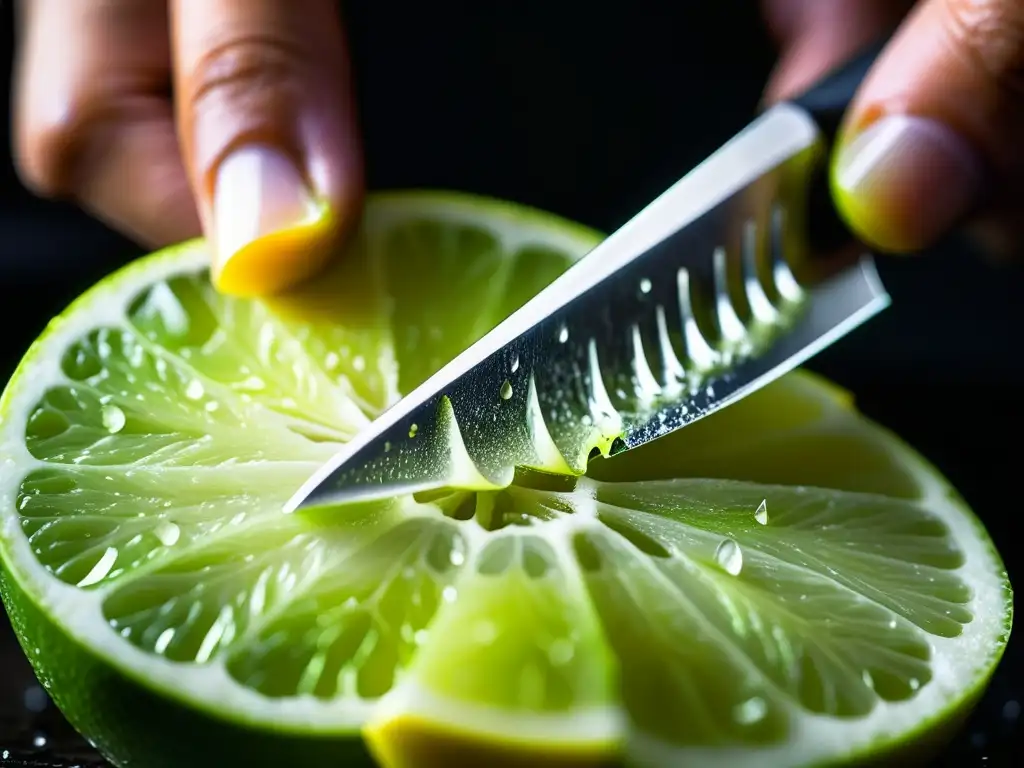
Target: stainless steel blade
<point>707,295</point>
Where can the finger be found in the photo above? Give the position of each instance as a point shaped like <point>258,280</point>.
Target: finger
<point>936,129</point>
<point>817,35</point>
<point>93,117</point>
<point>267,127</point>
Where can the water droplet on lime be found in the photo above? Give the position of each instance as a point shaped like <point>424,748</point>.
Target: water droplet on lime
<point>761,514</point>
<point>729,557</point>
<point>113,418</point>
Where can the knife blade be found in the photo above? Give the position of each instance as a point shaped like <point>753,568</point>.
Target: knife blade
<point>725,282</point>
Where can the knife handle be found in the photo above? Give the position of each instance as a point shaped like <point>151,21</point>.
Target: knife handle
<point>827,102</point>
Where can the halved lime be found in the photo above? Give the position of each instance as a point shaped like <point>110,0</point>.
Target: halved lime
<point>783,583</point>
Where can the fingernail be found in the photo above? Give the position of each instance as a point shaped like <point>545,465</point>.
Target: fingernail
<point>258,193</point>
<point>903,181</point>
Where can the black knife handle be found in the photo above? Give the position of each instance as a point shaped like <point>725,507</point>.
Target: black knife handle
<point>827,102</point>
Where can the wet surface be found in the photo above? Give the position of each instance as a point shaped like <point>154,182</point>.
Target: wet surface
<point>32,731</point>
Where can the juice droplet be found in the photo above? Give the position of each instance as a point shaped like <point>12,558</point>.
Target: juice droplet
<point>194,390</point>
<point>101,570</point>
<point>751,711</point>
<point>729,557</point>
<point>168,533</point>
<point>761,515</point>
<point>485,632</point>
<point>515,363</point>
<point>506,390</point>
<point>563,335</point>
<point>164,641</point>
<point>387,446</point>
<point>645,286</point>
<point>915,684</point>
<point>413,430</point>
<point>113,418</point>
<point>560,652</point>
<point>35,699</point>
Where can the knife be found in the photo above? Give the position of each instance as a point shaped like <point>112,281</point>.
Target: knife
<point>735,275</point>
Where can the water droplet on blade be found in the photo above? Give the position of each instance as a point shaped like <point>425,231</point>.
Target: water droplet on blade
<point>761,514</point>
<point>645,286</point>
<point>113,418</point>
<point>515,363</point>
<point>506,390</point>
<point>729,557</point>
<point>563,335</point>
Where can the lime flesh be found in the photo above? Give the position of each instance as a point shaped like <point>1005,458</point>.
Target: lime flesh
<point>783,583</point>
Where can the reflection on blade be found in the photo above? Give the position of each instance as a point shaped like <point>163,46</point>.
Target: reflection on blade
<point>703,298</point>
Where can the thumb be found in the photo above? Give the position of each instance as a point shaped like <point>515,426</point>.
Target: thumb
<point>935,130</point>
<point>267,129</point>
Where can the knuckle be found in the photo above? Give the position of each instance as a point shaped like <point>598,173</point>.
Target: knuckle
<point>991,34</point>
<point>49,148</point>
<point>246,74</point>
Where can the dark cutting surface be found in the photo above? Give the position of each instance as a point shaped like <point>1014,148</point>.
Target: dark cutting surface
<point>570,113</point>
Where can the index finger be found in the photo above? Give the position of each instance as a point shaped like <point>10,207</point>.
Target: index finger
<point>267,126</point>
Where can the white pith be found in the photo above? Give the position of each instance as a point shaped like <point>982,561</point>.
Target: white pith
<point>957,662</point>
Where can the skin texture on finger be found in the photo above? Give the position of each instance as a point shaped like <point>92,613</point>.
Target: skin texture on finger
<point>817,35</point>
<point>93,117</point>
<point>267,126</point>
<point>936,130</point>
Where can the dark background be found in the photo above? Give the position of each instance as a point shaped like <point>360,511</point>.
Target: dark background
<point>590,114</point>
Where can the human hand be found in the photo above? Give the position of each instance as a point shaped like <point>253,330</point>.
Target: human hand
<point>172,118</point>
<point>935,137</point>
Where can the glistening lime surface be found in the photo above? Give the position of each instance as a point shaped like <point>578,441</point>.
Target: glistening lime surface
<point>783,583</point>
